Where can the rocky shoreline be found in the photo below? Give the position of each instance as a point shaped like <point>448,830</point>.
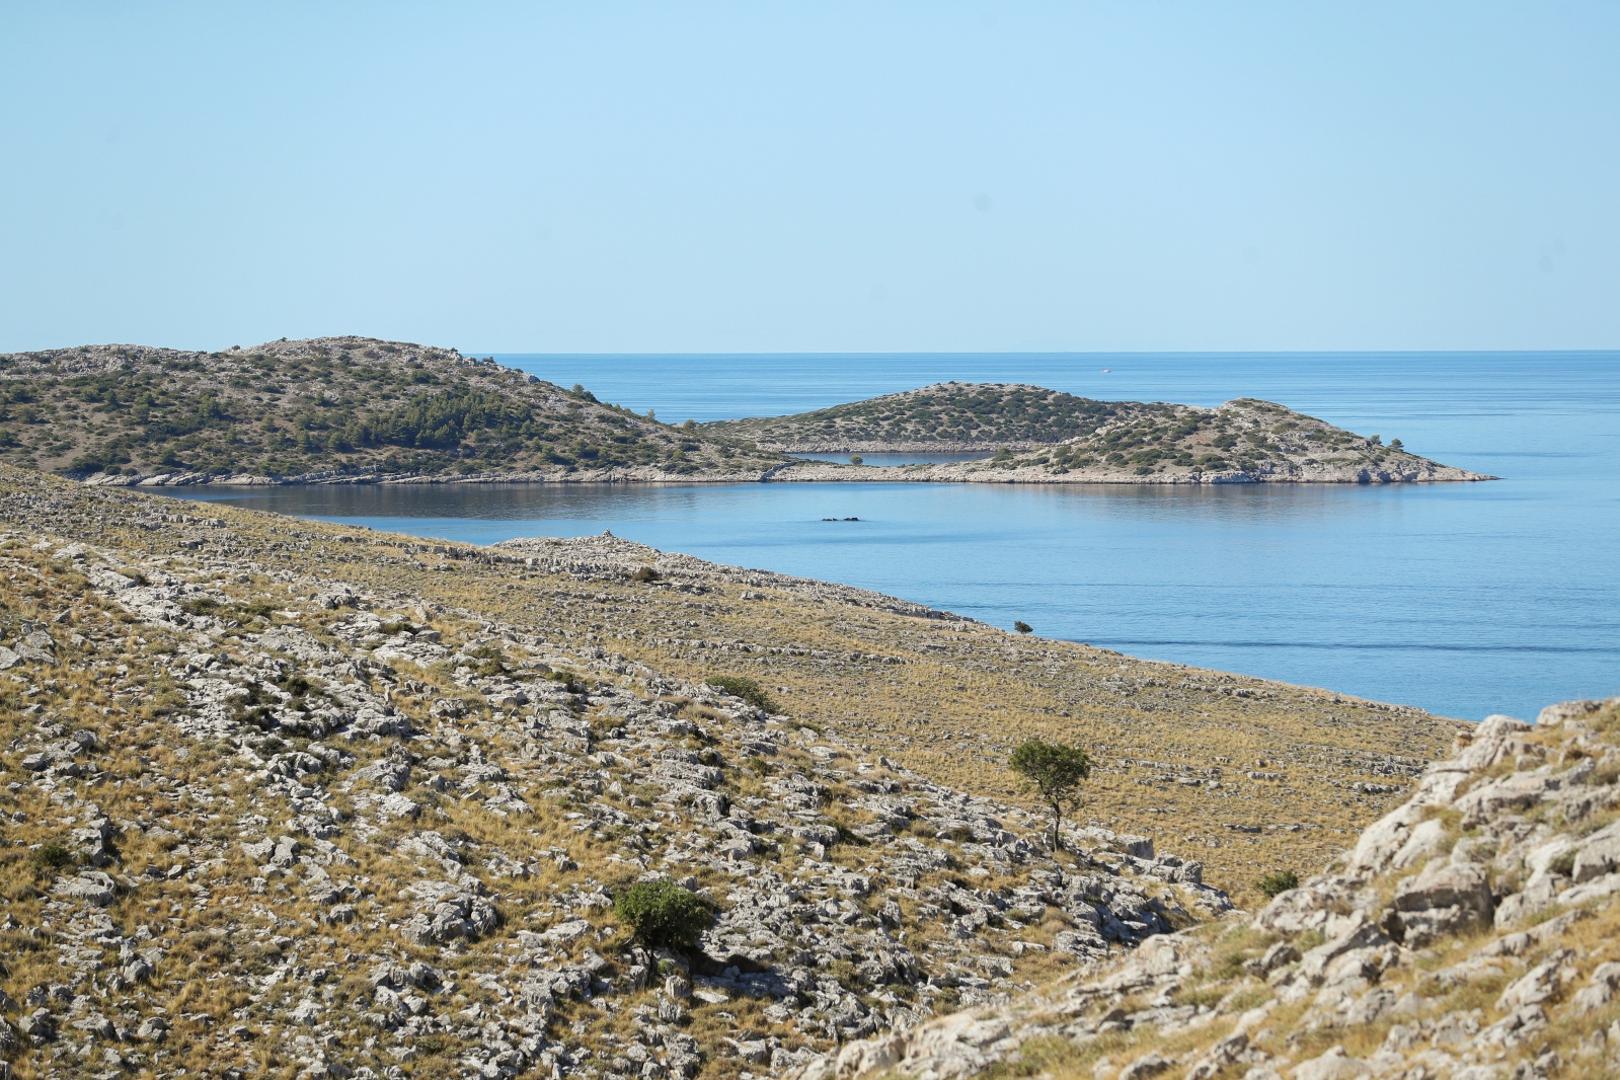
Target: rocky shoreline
<point>804,472</point>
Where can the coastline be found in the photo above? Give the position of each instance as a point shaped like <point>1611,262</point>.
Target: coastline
<point>813,472</point>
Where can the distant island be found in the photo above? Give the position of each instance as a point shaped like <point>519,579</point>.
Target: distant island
<point>341,409</point>
<point>359,410</point>
<point>1035,435</point>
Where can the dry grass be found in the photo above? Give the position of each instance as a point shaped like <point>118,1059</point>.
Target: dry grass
<point>959,698</point>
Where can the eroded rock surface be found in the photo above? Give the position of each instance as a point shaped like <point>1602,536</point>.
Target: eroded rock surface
<point>1473,931</point>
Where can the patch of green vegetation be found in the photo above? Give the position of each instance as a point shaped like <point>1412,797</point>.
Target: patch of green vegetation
<point>745,688</point>
<point>663,915</point>
<point>1278,882</point>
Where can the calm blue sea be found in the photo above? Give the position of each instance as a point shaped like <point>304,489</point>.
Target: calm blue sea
<point>1466,599</point>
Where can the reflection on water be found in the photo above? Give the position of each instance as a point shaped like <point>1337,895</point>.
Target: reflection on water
<point>1464,598</point>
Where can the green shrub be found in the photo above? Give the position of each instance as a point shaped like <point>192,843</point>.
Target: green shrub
<point>49,858</point>
<point>741,686</point>
<point>1279,882</point>
<point>662,915</point>
<point>1023,627</point>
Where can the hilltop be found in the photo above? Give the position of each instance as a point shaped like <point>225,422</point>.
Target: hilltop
<point>1043,436</point>
<point>329,409</point>
<point>945,417</point>
<point>1471,932</point>
<point>290,797</point>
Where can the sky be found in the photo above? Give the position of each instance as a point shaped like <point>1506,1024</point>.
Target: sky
<point>813,177</point>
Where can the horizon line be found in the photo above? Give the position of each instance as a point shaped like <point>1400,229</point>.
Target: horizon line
<point>1045,352</point>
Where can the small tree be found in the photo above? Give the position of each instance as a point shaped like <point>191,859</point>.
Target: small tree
<point>662,915</point>
<point>855,459</point>
<point>1054,770</point>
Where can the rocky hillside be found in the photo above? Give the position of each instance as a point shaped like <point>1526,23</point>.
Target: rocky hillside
<point>1474,932</point>
<point>329,409</point>
<point>1244,775</point>
<point>264,821</point>
<point>951,416</point>
<point>1041,436</point>
<point>1242,441</point>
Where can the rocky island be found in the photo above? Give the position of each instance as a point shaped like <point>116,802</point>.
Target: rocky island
<point>1034,435</point>
<point>285,797</point>
<point>331,410</point>
<point>357,410</point>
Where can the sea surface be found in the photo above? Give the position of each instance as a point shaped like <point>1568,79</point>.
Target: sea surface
<point>1466,599</point>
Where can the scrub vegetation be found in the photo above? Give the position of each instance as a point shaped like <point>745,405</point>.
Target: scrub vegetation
<point>325,409</point>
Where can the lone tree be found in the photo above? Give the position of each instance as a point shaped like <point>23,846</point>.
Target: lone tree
<point>662,915</point>
<point>1054,771</point>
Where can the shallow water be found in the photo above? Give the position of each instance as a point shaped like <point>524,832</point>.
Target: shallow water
<point>1463,598</point>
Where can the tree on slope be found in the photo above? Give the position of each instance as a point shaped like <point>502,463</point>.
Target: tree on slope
<point>1054,770</point>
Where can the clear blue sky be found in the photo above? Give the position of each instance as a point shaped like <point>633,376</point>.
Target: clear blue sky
<point>606,177</point>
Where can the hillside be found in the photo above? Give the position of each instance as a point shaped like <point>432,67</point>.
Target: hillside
<point>1241,772</point>
<point>1471,932</point>
<point>1042,436</point>
<point>951,416</point>
<point>295,798</point>
<point>329,409</point>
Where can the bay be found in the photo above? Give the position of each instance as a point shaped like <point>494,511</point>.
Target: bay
<point>1465,599</point>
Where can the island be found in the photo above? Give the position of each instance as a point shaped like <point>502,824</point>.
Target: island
<point>359,410</point>
<point>332,410</point>
<point>1030,434</point>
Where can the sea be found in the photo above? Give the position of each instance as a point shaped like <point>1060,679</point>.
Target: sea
<point>1465,599</point>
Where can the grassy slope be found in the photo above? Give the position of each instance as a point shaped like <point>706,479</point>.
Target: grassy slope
<point>329,407</point>
<point>1245,774</point>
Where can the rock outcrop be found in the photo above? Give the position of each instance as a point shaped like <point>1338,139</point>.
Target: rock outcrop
<point>1474,931</point>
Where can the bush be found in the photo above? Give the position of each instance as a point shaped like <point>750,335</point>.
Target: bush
<point>1279,882</point>
<point>49,858</point>
<point>645,574</point>
<point>741,686</point>
<point>856,459</point>
<point>662,915</point>
<point>1023,627</point>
